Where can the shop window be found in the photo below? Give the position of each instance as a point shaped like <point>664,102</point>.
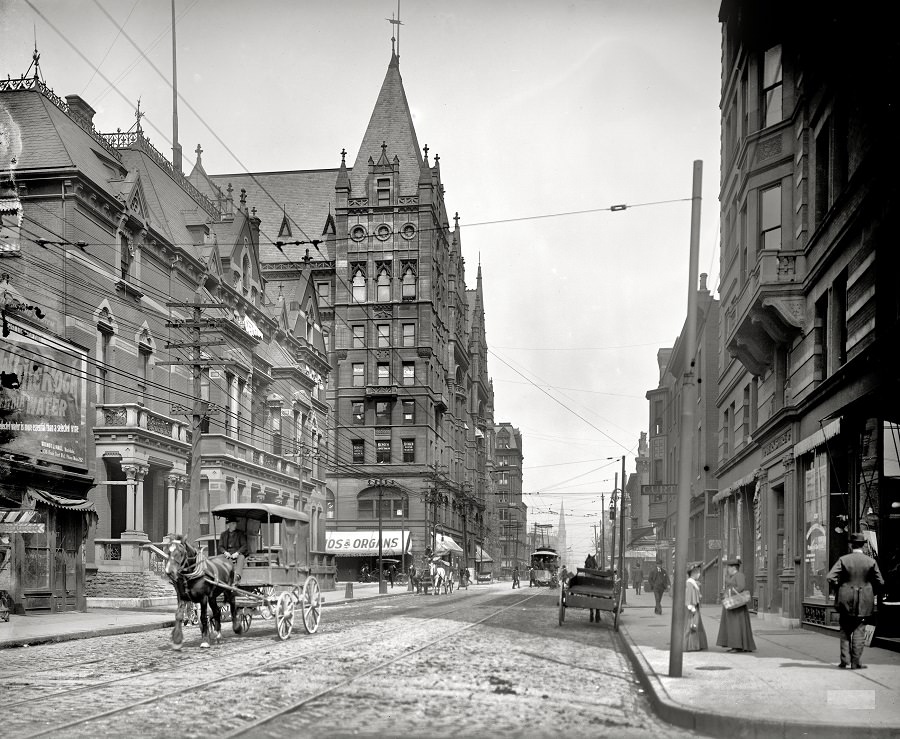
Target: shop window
<point>816,565</point>
<point>366,508</point>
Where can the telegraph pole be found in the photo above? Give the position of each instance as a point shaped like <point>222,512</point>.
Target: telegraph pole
<point>689,401</point>
<point>380,483</point>
<point>201,408</point>
<point>612,523</point>
<point>602,530</point>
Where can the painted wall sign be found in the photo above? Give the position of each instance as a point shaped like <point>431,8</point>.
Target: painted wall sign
<point>42,399</point>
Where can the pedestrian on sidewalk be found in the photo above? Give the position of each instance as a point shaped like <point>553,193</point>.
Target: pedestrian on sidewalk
<point>855,574</point>
<point>637,578</point>
<point>735,632</point>
<point>516,583</point>
<point>659,584</point>
<point>392,570</point>
<point>694,633</point>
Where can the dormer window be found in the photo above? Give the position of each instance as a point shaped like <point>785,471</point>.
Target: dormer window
<point>383,191</point>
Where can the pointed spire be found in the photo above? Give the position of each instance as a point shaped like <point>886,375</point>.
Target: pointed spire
<point>198,151</point>
<point>343,178</point>
<point>391,123</point>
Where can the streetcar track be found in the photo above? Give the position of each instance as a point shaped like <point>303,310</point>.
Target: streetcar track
<point>264,668</point>
<point>381,665</point>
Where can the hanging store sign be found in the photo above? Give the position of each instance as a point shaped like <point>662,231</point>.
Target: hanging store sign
<point>21,528</point>
<point>42,397</point>
<point>659,489</point>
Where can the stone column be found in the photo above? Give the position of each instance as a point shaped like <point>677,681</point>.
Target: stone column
<point>130,471</point>
<point>171,507</point>
<point>179,504</point>
<point>139,475</point>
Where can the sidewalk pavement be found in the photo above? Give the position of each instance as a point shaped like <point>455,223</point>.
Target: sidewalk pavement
<point>789,687</point>
<point>133,616</point>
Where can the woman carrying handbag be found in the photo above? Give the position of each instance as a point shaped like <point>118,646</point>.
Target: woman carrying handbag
<point>694,633</point>
<point>735,632</point>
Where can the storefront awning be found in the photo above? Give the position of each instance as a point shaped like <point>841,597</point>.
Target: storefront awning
<point>443,543</point>
<point>58,501</point>
<point>365,543</point>
<point>734,487</point>
<point>818,438</point>
<point>481,555</point>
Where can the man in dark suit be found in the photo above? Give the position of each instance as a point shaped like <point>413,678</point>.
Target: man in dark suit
<point>855,574</point>
<point>659,584</point>
<point>234,545</point>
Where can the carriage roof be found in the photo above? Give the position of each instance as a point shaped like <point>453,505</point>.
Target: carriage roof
<point>260,512</point>
<point>544,553</point>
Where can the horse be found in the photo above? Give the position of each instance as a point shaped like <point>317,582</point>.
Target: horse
<point>199,581</point>
<point>441,575</point>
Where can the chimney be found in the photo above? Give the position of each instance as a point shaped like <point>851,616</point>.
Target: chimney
<point>80,109</point>
<point>703,287</point>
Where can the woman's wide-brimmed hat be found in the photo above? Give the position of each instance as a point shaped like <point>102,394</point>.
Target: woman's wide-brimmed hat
<point>691,566</point>
<point>733,562</point>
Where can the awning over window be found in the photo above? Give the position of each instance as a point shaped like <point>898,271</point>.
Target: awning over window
<point>365,543</point>
<point>734,487</point>
<point>58,501</point>
<point>443,543</point>
<point>818,438</point>
<point>481,555</point>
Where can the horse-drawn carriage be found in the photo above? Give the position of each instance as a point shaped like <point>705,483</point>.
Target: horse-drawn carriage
<point>275,581</point>
<point>596,590</point>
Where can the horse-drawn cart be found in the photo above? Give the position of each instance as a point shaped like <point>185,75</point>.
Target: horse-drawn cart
<point>275,582</point>
<point>596,590</point>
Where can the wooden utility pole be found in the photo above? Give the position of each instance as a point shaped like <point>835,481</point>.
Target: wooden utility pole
<point>201,408</point>
<point>688,403</point>
<point>602,531</point>
<point>612,523</point>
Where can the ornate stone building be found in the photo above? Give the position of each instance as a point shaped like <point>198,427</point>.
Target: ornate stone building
<point>808,414</point>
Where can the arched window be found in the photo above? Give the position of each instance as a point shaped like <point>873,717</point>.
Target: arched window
<point>383,294</point>
<point>359,286</point>
<point>409,284</point>
<point>245,274</point>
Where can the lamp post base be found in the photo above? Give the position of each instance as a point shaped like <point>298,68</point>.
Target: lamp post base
<point>382,587</point>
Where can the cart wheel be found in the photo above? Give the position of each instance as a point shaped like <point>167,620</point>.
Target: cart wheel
<point>311,605</point>
<point>245,618</point>
<point>284,615</point>
<point>562,609</point>
<point>266,608</point>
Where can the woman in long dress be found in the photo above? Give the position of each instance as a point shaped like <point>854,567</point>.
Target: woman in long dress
<point>694,633</point>
<point>735,632</point>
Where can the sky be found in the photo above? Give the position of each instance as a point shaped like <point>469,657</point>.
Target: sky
<point>545,114</point>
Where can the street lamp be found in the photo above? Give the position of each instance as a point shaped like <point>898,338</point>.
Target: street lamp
<point>380,483</point>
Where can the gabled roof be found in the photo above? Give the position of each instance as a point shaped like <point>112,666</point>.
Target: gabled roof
<point>391,123</point>
<point>305,196</point>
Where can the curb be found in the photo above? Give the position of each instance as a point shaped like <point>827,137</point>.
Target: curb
<point>710,723</point>
<point>148,602</point>
<point>72,636</point>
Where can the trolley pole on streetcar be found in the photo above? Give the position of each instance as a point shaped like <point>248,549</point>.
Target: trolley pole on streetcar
<point>689,400</point>
<point>380,482</point>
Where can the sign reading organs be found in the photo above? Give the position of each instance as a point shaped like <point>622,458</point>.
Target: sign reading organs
<point>365,543</point>
<point>43,385</point>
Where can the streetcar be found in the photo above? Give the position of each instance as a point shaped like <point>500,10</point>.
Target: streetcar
<point>545,567</point>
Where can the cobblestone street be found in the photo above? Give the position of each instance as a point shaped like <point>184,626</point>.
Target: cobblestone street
<point>477,662</point>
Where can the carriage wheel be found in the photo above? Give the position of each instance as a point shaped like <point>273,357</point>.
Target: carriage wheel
<point>245,618</point>
<point>311,605</point>
<point>284,615</point>
<point>266,608</point>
